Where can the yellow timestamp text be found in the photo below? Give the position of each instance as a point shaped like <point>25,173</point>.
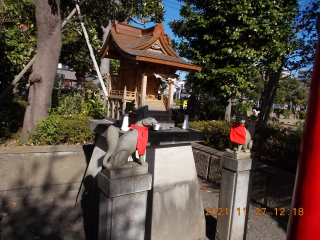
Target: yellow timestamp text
<point>226,212</point>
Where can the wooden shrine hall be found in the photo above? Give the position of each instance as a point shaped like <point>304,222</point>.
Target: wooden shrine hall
<point>146,57</point>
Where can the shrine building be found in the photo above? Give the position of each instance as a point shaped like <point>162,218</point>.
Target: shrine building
<point>146,57</point>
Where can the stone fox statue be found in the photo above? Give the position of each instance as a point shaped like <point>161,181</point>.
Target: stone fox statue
<point>240,135</point>
<point>119,149</point>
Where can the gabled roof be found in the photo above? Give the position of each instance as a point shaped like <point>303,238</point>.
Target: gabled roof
<point>146,45</point>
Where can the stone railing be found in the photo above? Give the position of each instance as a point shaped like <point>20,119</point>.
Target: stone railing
<point>271,186</point>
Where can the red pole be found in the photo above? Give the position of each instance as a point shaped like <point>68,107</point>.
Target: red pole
<point>306,198</point>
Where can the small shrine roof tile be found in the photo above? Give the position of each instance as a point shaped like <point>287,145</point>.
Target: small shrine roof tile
<point>141,45</point>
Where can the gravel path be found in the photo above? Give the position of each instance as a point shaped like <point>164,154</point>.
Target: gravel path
<point>268,226</point>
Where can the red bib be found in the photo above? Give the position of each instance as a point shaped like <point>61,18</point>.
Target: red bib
<point>142,138</point>
<point>238,133</point>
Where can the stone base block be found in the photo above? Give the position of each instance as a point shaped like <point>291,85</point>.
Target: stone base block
<point>239,155</point>
<point>123,202</point>
<point>175,209</point>
<point>237,165</point>
<point>122,217</point>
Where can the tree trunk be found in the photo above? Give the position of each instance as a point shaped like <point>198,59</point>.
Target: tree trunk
<point>46,63</point>
<point>105,62</point>
<point>268,95</point>
<point>227,115</point>
<point>81,76</point>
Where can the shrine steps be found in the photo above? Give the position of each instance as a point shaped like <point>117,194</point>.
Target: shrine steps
<point>155,105</point>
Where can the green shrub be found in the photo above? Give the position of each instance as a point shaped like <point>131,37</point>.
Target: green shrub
<point>69,104</point>
<point>216,133</point>
<point>278,146</point>
<point>286,113</point>
<point>302,114</point>
<point>67,123</point>
<point>178,102</point>
<point>93,106</point>
<point>11,117</point>
<point>278,112</point>
<point>62,129</point>
<point>274,145</point>
<point>242,107</point>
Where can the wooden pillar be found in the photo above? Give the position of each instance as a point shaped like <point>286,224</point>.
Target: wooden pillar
<point>108,108</point>
<point>112,108</point>
<point>109,85</point>
<point>124,99</point>
<point>117,109</point>
<point>171,92</point>
<point>143,90</point>
<point>123,106</point>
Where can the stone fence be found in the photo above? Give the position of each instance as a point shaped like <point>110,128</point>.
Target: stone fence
<point>270,186</point>
<point>42,170</point>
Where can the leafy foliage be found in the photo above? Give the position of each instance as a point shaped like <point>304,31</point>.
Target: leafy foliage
<point>241,107</point>
<point>290,92</point>
<point>216,133</point>
<point>235,41</point>
<point>302,114</point>
<point>60,129</point>
<point>17,28</point>
<point>178,102</point>
<point>204,107</point>
<point>11,117</point>
<point>67,122</point>
<point>278,146</point>
<point>273,144</point>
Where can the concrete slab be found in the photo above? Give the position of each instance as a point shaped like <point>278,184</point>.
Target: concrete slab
<point>14,171</point>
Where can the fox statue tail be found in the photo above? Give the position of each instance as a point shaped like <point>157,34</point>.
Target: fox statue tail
<point>112,138</point>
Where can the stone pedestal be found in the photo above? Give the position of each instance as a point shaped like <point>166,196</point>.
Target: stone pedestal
<point>175,209</point>
<point>123,202</point>
<point>234,198</point>
<point>174,205</point>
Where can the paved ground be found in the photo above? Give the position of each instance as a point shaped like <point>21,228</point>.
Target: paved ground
<point>54,217</point>
<point>268,226</point>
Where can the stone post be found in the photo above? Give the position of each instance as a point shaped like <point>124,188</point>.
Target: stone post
<point>234,200</point>
<point>143,90</point>
<point>123,202</point>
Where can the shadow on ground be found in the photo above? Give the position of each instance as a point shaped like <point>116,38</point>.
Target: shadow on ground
<point>42,212</point>
<point>211,224</point>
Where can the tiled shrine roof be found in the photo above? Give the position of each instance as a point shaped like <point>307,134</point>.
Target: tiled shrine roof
<point>146,45</point>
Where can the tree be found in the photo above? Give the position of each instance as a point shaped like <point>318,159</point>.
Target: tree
<point>290,92</point>
<point>49,44</point>
<point>235,42</point>
<point>45,66</point>
<point>17,27</point>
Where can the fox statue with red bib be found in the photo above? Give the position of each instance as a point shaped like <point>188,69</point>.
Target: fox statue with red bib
<point>241,136</point>
<point>119,149</point>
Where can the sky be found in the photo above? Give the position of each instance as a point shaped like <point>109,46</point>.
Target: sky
<point>172,8</point>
